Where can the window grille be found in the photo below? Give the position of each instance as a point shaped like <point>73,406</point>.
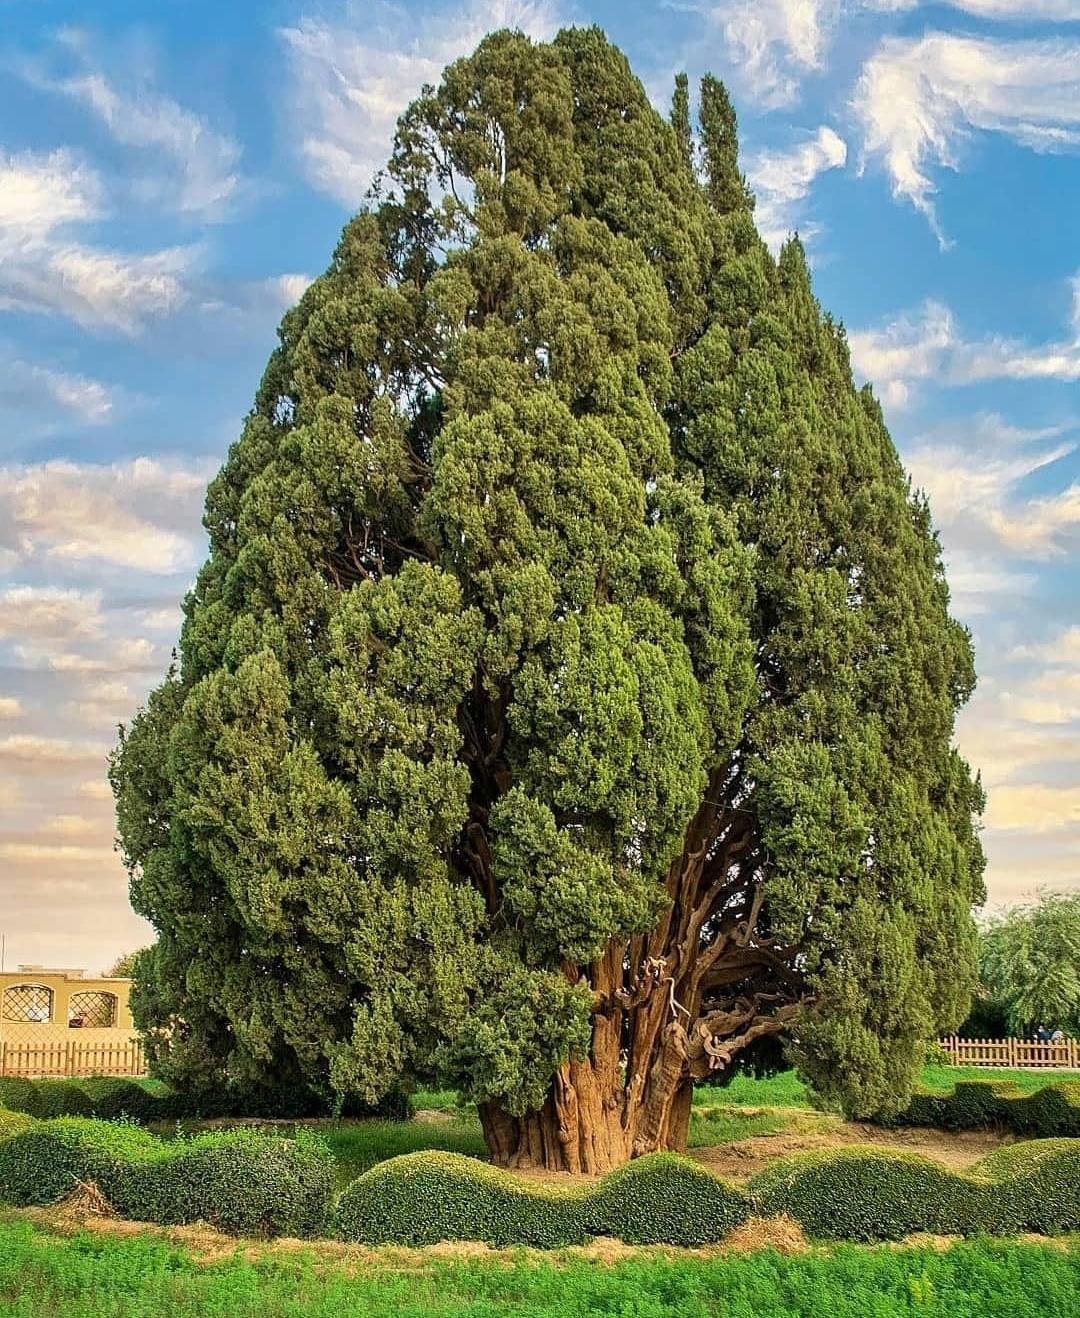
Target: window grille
<point>92,1010</point>
<point>28,1004</point>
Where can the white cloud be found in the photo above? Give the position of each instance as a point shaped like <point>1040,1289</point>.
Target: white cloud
<point>49,613</point>
<point>772,44</point>
<point>1033,807</point>
<point>186,163</point>
<point>27,386</point>
<point>783,179</point>
<point>31,748</point>
<point>142,514</point>
<point>1064,648</point>
<point>351,79</point>
<point>44,268</point>
<point>39,193</point>
<point>10,708</point>
<point>927,345</point>
<point>977,498</point>
<point>290,288</point>
<point>918,98</point>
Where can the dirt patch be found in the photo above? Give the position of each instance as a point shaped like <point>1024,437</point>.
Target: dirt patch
<point>741,1159</point>
<point>430,1116</point>
<point>782,1233</point>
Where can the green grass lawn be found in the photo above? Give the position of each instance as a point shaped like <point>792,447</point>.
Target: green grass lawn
<point>787,1090</point>
<point>716,1117</point>
<point>43,1275</point>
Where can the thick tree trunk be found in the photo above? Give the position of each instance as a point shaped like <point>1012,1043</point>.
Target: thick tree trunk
<point>596,1117</point>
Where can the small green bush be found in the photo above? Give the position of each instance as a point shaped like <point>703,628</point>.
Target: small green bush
<point>864,1194</point>
<point>116,1096</point>
<point>882,1194</point>
<point>1035,1187</point>
<point>61,1098</point>
<point>664,1199</point>
<point>241,1181</point>
<point>1053,1110</point>
<point>18,1095</point>
<point>422,1198</point>
<point>44,1163</point>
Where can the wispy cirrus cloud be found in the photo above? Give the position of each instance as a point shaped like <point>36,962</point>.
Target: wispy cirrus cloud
<point>186,164</point>
<point>30,387</point>
<point>353,76</point>
<point>919,98</point>
<point>782,180</point>
<point>927,344</point>
<point>44,266</point>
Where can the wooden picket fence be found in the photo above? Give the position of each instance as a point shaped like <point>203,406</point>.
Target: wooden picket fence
<point>1012,1053</point>
<point>71,1057</point>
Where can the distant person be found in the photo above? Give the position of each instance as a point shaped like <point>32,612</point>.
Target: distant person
<point>1058,1036</point>
<point>1042,1034</point>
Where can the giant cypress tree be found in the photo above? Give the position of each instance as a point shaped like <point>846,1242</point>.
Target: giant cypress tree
<point>565,705</point>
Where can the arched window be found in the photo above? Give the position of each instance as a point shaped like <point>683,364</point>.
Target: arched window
<point>28,1003</point>
<point>92,1010</point>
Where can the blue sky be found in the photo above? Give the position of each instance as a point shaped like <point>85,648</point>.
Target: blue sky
<point>171,175</point>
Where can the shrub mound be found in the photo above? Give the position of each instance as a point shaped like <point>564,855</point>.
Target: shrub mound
<point>884,1194</point>
<point>664,1199</point>
<point>250,1183</point>
<point>241,1181</point>
<point>835,1194</point>
<point>1053,1110</point>
<point>109,1097</point>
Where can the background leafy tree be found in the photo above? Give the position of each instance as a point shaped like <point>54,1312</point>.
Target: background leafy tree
<point>1030,964</point>
<point>565,705</point>
<point>123,966</point>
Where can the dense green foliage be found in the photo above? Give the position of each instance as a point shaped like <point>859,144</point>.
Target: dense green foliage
<point>885,1194</point>
<point>109,1097</point>
<point>571,646</point>
<point>423,1198</point>
<point>94,1276</point>
<point>240,1181</point>
<point>1052,1109</point>
<point>855,1193</point>
<point>1030,964</point>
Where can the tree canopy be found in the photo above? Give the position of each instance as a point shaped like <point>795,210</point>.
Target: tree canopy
<point>1030,964</point>
<point>565,706</point>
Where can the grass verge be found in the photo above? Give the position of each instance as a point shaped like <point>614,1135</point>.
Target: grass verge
<point>43,1274</point>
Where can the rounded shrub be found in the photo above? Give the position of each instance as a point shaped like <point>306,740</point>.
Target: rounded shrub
<point>422,1198</point>
<point>116,1096</point>
<point>1035,1187</point>
<point>45,1162</point>
<point>664,1199</point>
<point>61,1098</point>
<point>1053,1110</point>
<point>240,1181</point>
<point>19,1095</point>
<point>867,1194</point>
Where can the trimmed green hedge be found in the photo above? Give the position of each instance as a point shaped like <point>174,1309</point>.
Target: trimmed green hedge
<point>250,1183</point>
<point>664,1199</point>
<point>1053,1110</point>
<point>109,1097</point>
<point>241,1181</point>
<point>885,1194</point>
<point>835,1194</point>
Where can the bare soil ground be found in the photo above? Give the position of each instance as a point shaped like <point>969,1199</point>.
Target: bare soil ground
<point>742,1158</point>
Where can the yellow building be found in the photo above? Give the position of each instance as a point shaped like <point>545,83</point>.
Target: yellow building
<point>56,1021</point>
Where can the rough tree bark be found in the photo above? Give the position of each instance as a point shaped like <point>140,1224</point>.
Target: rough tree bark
<point>670,1008</point>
